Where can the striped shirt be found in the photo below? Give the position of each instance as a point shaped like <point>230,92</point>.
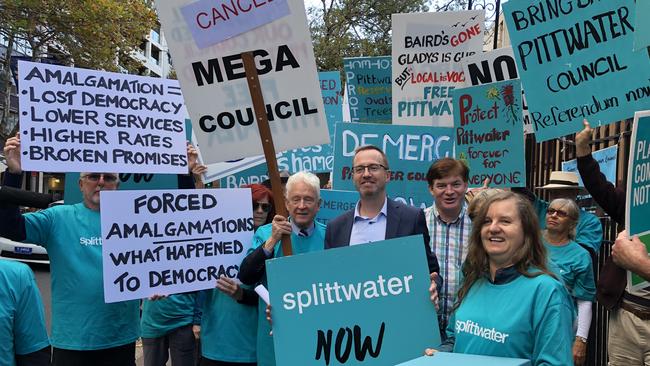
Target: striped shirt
<point>449,242</point>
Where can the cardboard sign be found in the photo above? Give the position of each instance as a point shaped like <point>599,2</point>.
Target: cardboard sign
<point>167,242</point>
<point>493,66</point>
<point>335,203</point>
<point>369,89</point>
<point>410,151</point>
<point>78,120</point>
<point>642,26</point>
<point>575,61</point>
<point>459,359</point>
<point>213,21</point>
<point>343,310</point>
<point>606,159</point>
<point>216,90</point>
<point>427,51</point>
<point>489,133</point>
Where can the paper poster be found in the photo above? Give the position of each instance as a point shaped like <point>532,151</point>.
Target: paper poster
<point>369,89</point>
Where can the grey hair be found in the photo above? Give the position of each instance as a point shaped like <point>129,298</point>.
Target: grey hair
<point>572,210</point>
<point>306,177</point>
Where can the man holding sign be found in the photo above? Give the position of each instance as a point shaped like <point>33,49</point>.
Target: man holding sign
<point>85,329</point>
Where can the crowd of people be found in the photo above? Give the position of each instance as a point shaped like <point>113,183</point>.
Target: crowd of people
<point>511,274</point>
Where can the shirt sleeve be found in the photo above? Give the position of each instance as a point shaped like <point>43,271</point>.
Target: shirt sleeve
<point>553,331</point>
<point>30,334</point>
<point>585,285</point>
<point>589,231</point>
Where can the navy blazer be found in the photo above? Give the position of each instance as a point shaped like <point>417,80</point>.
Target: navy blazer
<point>401,220</point>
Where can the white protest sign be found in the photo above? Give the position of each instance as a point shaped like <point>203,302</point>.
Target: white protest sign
<point>427,51</point>
<point>216,91</point>
<point>172,241</point>
<point>490,67</point>
<point>79,120</point>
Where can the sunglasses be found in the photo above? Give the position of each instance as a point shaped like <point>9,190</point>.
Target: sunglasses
<point>559,213</point>
<point>266,207</point>
<point>95,177</point>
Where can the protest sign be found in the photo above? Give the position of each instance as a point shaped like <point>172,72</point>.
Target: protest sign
<point>606,159</point>
<point>427,51</point>
<point>171,241</point>
<point>78,120</point>
<point>216,91</point>
<point>459,359</point>
<point>490,134</point>
<point>575,61</point>
<point>493,66</point>
<point>335,203</point>
<point>213,21</point>
<point>642,26</point>
<point>316,158</point>
<point>369,89</point>
<point>410,151</point>
<point>344,310</point>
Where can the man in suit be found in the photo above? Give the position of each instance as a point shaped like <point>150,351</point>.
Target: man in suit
<point>376,217</point>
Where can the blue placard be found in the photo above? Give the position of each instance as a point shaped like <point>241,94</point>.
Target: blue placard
<point>338,307</point>
<point>128,182</point>
<point>642,26</point>
<point>335,203</point>
<point>638,180</point>
<point>410,151</point>
<point>490,133</point>
<point>575,60</point>
<point>369,89</point>
<point>459,359</point>
<point>606,159</point>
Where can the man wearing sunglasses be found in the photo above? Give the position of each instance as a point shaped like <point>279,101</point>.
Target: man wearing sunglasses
<point>85,329</point>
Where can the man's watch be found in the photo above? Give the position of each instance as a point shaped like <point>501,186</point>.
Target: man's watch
<point>581,339</point>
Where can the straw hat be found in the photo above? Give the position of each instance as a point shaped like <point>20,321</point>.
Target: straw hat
<point>562,180</point>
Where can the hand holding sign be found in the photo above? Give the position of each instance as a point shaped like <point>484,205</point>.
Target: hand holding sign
<point>12,154</point>
<point>280,226</point>
<point>631,254</point>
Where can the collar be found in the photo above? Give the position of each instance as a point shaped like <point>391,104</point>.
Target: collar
<point>296,230</point>
<point>461,214</point>
<point>384,211</point>
<point>504,275</point>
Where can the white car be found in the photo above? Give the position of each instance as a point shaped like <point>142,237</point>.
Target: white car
<point>24,252</point>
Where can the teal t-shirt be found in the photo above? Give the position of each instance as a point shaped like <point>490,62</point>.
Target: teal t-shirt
<point>529,318</point>
<point>81,320</point>
<point>589,231</point>
<point>573,265</point>
<point>300,245</point>
<point>228,329</point>
<point>162,316</point>
<point>22,320</point>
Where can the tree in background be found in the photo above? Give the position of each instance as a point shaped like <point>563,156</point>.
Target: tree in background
<point>94,34</point>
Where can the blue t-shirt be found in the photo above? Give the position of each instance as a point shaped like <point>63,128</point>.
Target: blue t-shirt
<point>81,320</point>
<point>573,265</point>
<point>162,316</point>
<point>589,231</point>
<point>22,320</point>
<point>300,245</point>
<point>528,318</point>
<point>228,329</point>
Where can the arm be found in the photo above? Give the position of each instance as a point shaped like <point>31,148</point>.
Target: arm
<point>589,231</point>
<point>249,297</point>
<point>432,261</point>
<point>584,322</point>
<point>253,267</point>
<point>12,225</point>
<point>30,335</point>
<point>553,331</point>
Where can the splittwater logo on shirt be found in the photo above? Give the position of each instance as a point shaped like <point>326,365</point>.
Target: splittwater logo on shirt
<point>95,240</point>
<point>476,329</point>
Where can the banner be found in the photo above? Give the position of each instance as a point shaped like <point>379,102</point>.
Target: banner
<point>369,89</point>
<point>606,159</point>
<point>410,150</point>
<point>344,310</point>
<point>216,90</point>
<point>490,134</point>
<point>79,120</point>
<point>335,203</point>
<point>171,241</point>
<point>575,61</point>
<point>459,359</point>
<point>642,26</point>
<point>427,51</point>
<point>493,66</point>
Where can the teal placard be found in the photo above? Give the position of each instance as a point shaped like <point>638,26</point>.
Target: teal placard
<point>335,203</point>
<point>365,304</point>
<point>128,181</point>
<point>410,151</point>
<point>459,359</point>
<point>576,61</point>
<point>369,89</point>
<point>490,133</point>
<point>642,26</point>
<point>638,179</point>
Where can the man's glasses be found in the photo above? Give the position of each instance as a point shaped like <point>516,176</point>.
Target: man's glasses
<point>372,168</point>
<point>559,213</point>
<point>95,177</point>
<point>266,207</point>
